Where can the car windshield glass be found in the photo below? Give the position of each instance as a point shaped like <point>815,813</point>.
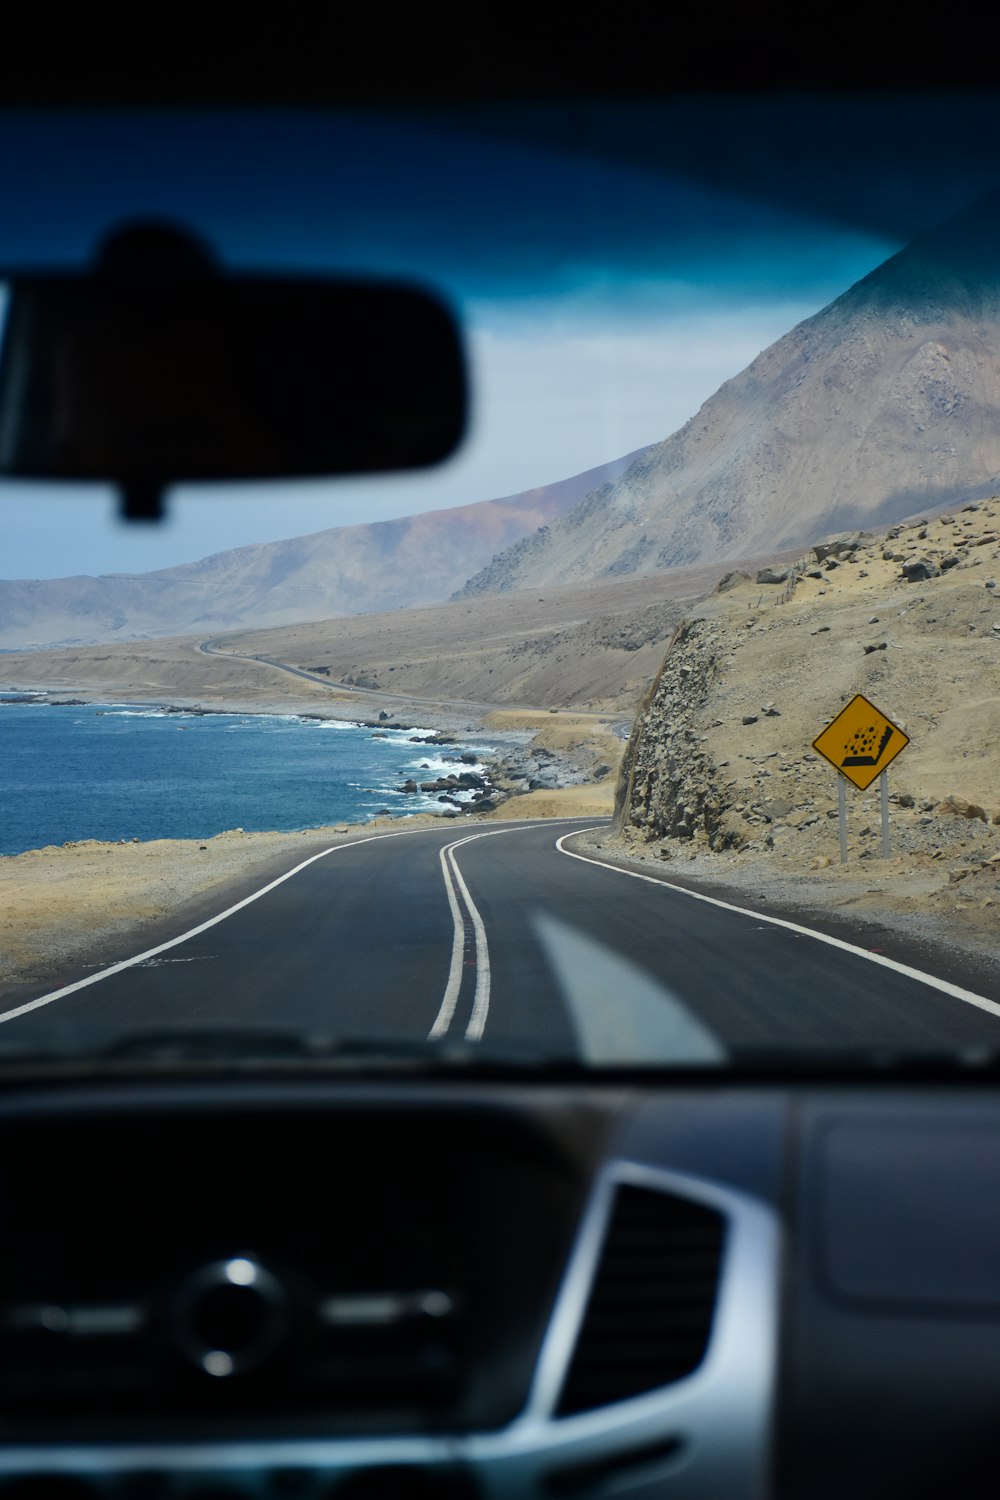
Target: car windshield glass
<point>657,726</point>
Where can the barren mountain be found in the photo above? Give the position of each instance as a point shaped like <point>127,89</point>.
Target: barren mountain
<point>885,403</point>
<point>346,570</point>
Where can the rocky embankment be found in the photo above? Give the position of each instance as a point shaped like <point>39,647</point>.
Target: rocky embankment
<point>518,770</point>
<point>720,772</point>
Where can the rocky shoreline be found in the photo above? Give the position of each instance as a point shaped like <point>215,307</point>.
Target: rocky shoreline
<point>517,769</point>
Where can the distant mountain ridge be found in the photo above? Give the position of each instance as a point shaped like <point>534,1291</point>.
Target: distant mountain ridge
<point>418,559</point>
<point>884,403</point>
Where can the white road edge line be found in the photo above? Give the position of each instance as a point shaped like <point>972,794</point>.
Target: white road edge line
<point>138,958</point>
<point>944,985</point>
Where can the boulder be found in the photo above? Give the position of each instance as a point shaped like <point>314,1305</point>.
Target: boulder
<point>919,569</point>
<point>772,575</point>
<point>960,807</point>
<point>731,579</point>
<point>842,545</point>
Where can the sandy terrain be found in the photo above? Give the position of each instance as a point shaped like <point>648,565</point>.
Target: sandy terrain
<point>927,653</point>
<point>588,743</point>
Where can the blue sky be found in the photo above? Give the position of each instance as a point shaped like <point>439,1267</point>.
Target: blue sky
<point>603,301</point>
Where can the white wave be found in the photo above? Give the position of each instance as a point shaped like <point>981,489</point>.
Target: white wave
<point>143,713</point>
<point>437,764</point>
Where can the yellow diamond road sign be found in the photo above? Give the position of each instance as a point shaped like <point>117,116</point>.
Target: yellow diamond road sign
<point>861,742</point>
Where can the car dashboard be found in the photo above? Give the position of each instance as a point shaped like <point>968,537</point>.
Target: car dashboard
<point>318,1286</point>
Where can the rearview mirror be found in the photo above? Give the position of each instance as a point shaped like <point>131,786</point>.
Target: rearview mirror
<point>154,367</point>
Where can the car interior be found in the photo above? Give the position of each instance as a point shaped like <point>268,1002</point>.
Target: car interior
<point>346,1276</point>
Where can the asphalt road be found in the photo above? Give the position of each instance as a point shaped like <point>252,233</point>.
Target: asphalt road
<point>499,936</point>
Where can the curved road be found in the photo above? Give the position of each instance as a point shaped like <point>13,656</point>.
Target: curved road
<point>505,936</point>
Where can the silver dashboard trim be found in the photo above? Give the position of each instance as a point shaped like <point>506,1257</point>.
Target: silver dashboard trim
<point>721,1415</point>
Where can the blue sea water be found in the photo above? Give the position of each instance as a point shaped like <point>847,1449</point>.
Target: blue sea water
<point>116,771</point>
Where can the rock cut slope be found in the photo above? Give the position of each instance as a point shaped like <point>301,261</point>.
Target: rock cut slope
<point>884,404</point>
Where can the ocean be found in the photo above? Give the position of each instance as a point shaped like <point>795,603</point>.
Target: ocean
<point>120,771</point>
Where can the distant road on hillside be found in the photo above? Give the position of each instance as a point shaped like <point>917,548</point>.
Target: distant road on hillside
<point>210,649</point>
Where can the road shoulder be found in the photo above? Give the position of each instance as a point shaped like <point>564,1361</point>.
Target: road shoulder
<point>854,911</point>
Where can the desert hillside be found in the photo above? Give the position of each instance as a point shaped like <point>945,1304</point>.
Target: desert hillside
<point>342,571</point>
<point>595,647</point>
<point>883,406</point>
<point>720,777</point>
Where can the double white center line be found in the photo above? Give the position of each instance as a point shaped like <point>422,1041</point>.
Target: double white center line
<point>458,892</point>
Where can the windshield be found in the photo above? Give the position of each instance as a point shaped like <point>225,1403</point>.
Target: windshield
<point>656,727</point>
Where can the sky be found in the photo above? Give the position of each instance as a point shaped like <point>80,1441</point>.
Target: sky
<point>603,296</point>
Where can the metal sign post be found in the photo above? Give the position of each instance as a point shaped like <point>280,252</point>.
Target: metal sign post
<point>884,783</point>
<point>842,809</point>
<point>860,743</point>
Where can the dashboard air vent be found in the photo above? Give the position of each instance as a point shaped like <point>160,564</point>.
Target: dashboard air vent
<point>649,1315</point>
